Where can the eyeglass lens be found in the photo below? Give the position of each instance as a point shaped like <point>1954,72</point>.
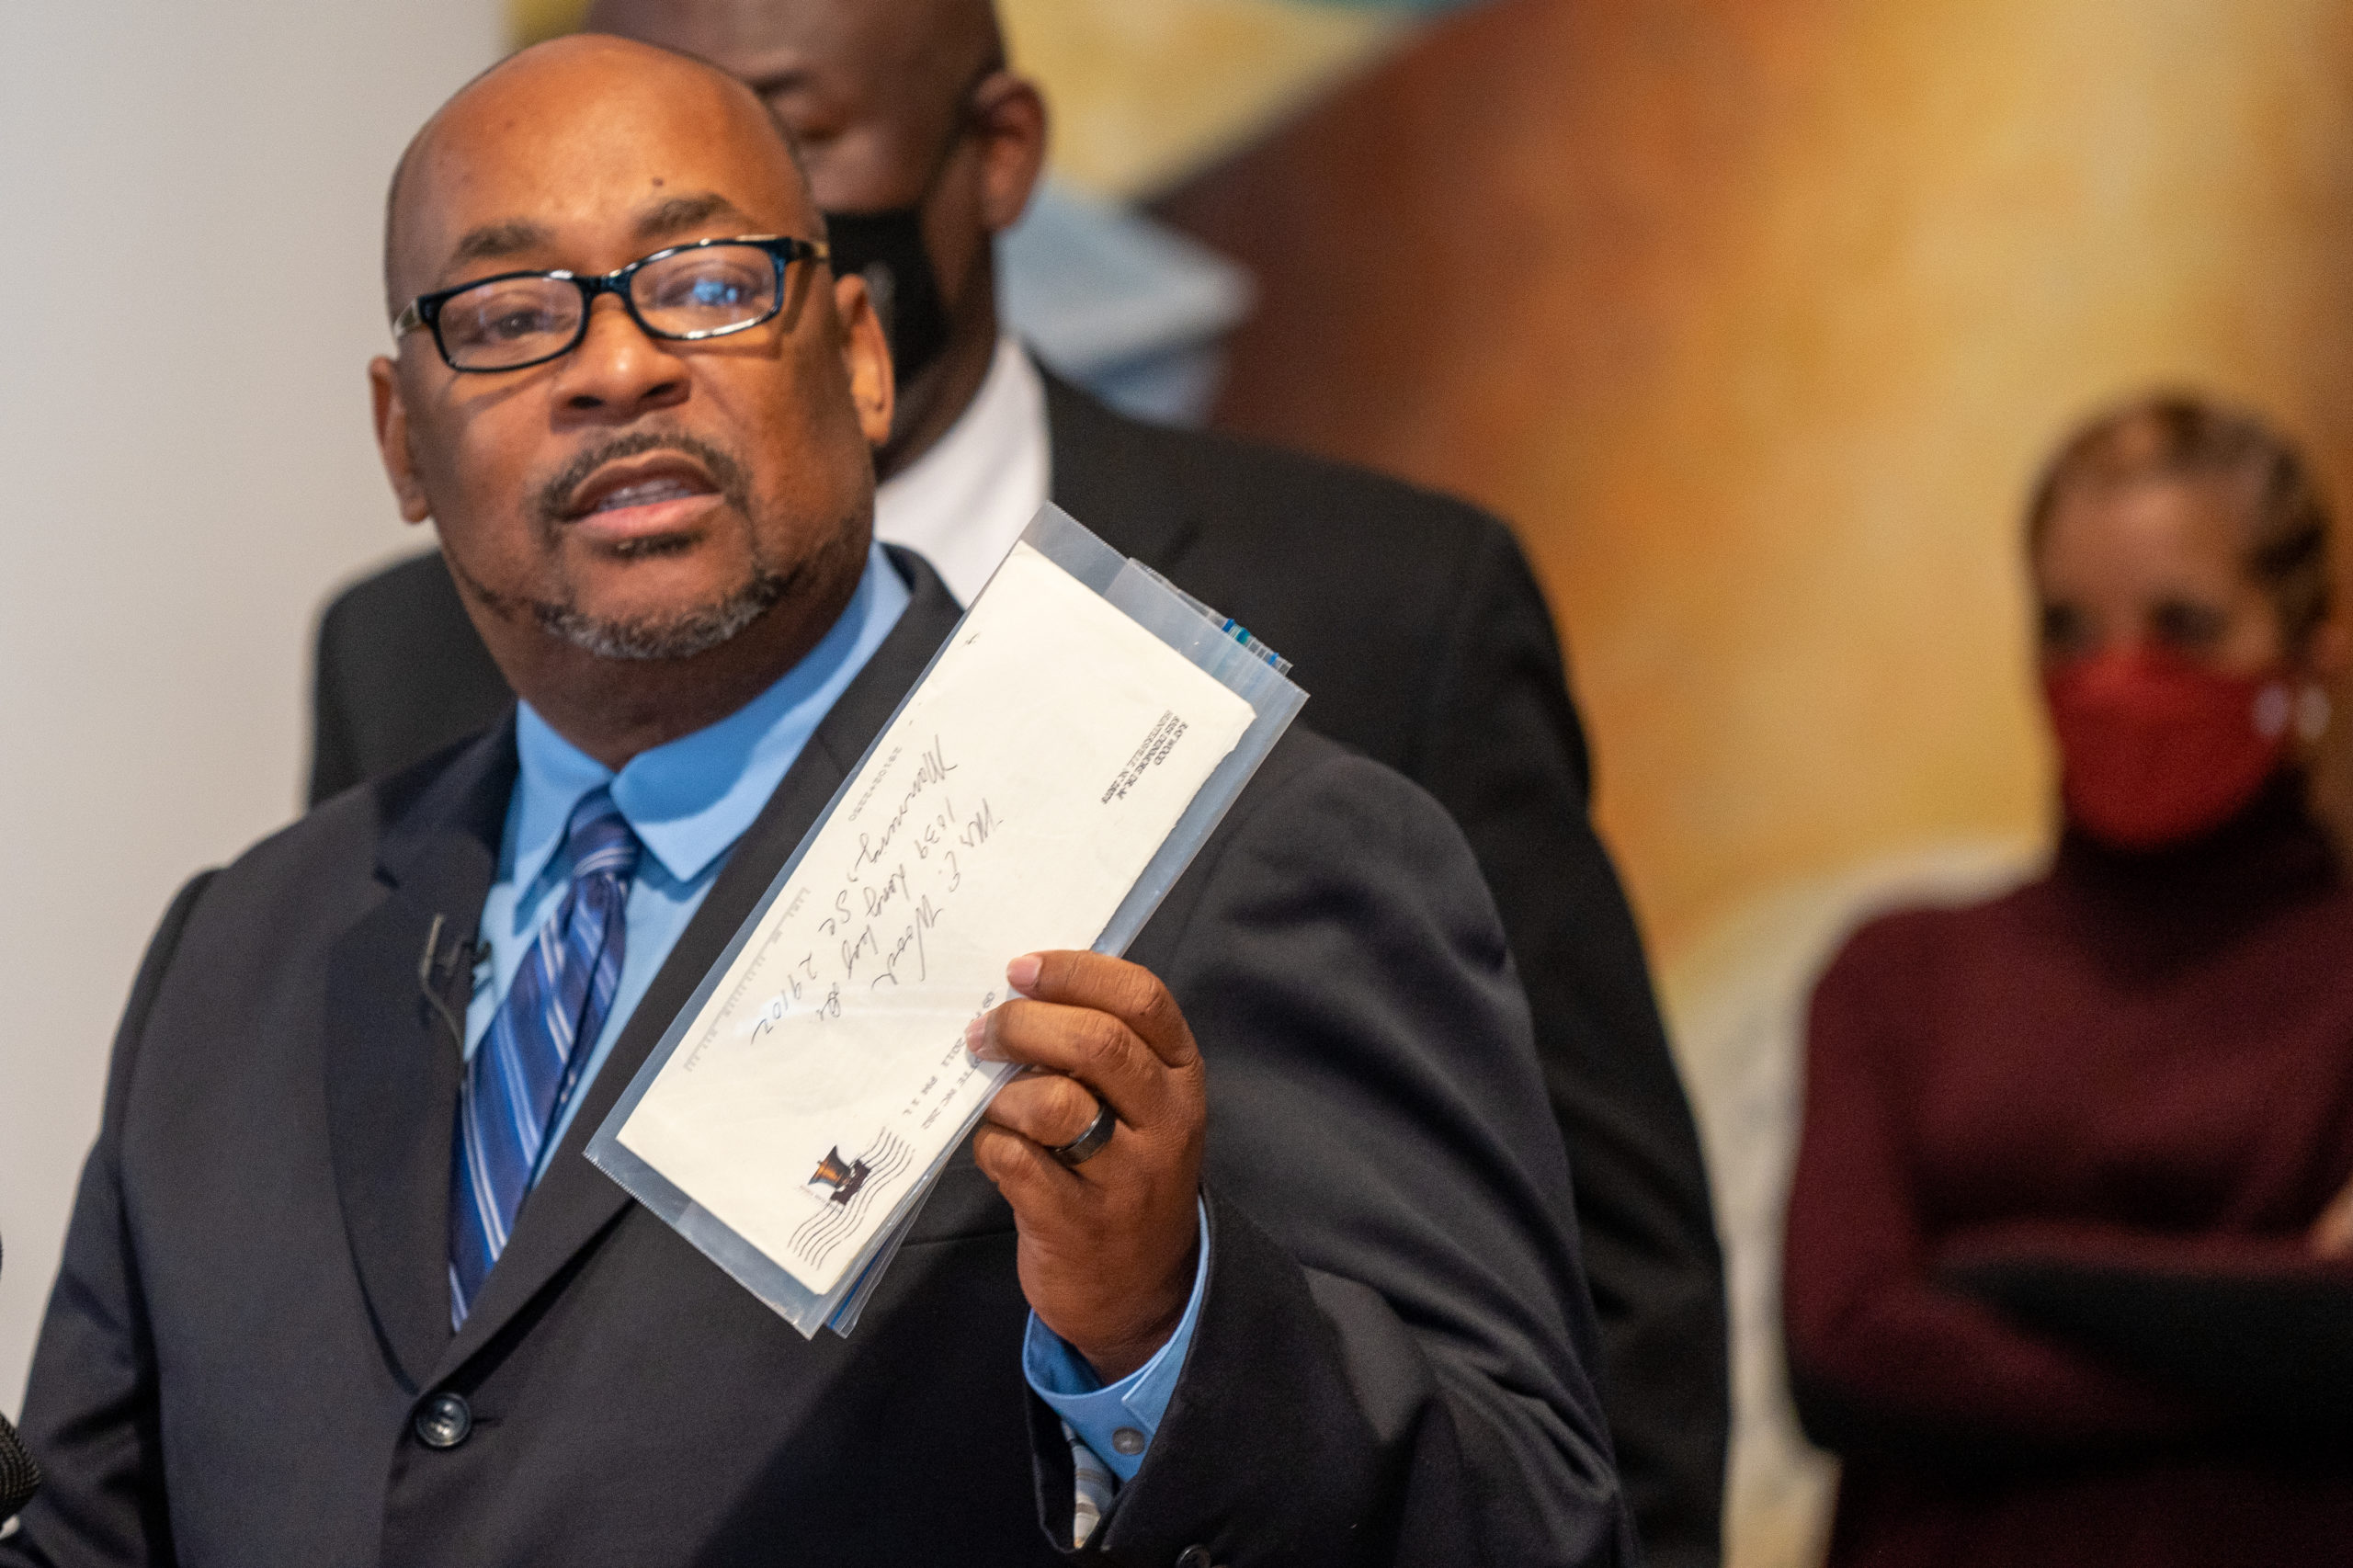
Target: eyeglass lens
<point>695,293</point>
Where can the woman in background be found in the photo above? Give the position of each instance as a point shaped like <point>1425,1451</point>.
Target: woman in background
<point>2061,1194</point>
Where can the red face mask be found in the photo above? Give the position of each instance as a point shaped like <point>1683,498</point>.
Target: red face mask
<point>2156,750</point>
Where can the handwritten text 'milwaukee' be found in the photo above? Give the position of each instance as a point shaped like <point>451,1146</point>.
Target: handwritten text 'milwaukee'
<point>931,770</point>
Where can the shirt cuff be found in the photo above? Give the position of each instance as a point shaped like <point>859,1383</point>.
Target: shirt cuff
<point>1116,1422</point>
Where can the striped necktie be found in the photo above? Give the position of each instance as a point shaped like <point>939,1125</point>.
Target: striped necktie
<point>523,1071</point>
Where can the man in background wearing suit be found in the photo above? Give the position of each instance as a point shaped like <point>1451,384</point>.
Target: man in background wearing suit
<point>1276,1239</point>
<point>1412,619</point>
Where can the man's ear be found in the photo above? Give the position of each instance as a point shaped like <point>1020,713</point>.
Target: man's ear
<point>1010,117</point>
<point>392,438</point>
<point>865,357</point>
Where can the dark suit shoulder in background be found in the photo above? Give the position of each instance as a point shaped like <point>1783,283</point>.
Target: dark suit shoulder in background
<point>399,673</point>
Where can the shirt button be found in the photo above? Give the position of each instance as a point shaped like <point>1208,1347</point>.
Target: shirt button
<point>445,1420</point>
<point>1129,1441</point>
<point>1194,1557</point>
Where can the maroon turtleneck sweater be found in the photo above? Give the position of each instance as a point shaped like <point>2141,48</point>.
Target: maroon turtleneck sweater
<point>2137,1059</point>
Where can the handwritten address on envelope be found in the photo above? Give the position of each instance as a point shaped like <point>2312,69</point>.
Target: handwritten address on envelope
<point>1009,808</point>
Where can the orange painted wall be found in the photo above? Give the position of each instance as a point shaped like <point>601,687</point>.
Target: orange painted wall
<point>1756,315</point>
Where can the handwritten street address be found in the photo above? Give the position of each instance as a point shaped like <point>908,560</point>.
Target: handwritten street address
<point>980,828</point>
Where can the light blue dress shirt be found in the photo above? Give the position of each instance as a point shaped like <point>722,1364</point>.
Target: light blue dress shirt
<point>689,802</point>
<point>1134,1405</point>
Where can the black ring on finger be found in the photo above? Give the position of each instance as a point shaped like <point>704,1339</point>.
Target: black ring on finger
<point>1092,1141</point>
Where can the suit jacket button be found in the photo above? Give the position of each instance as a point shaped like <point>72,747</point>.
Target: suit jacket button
<point>1194,1557</point>
<point>445,1419</point>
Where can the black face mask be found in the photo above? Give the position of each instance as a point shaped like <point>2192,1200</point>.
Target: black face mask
<point>886,249</point>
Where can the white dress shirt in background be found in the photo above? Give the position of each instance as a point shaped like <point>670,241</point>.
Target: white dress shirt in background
<point>962,504</point>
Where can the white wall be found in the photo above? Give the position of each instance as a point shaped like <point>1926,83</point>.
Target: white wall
<point>190,202</point>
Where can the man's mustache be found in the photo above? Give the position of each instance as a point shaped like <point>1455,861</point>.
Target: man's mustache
<point>554,500</point>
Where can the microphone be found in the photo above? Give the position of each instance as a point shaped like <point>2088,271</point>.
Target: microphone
<point>19,1477</point>
<point>435,968</point>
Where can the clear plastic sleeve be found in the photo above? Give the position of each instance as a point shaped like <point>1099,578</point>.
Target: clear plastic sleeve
<point>1213,643</point>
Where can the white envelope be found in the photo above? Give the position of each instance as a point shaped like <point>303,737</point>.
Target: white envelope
<point>1010,806</point>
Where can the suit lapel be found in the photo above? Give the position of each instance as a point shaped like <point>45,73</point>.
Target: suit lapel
<point>574,1202</point>
<point>393,1062</point>
<point>1108,474</point>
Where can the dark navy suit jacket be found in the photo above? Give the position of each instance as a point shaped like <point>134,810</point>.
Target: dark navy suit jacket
<point>1391,1364</point>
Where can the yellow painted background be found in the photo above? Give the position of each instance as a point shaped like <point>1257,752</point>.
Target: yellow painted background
<point>1143,91</point>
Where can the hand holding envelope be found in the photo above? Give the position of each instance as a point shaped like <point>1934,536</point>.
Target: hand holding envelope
<point>1048,779</point>
<point>1107,1247</point>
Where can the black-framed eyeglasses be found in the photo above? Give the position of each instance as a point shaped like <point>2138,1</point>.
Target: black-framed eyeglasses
<point>707,289</point>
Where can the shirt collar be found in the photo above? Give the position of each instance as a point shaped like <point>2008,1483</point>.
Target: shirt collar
<point>690,799</point>
<point>963,502</point>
